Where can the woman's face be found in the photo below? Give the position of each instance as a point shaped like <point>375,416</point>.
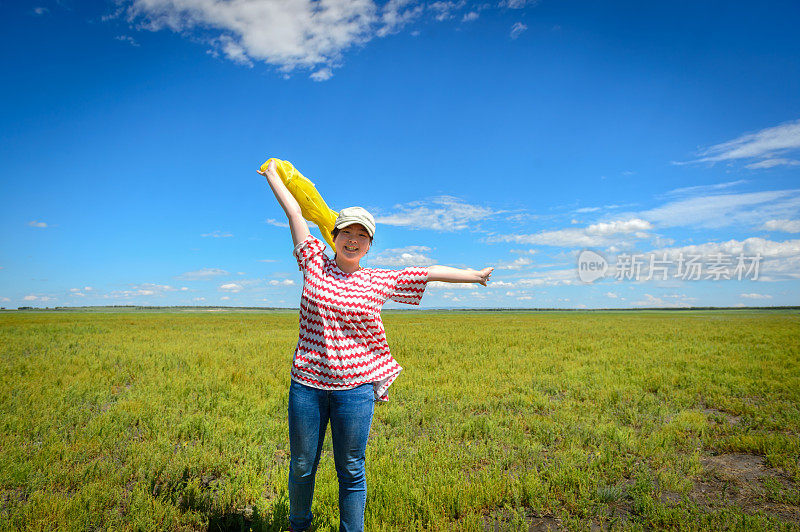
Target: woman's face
<point>352,242</point>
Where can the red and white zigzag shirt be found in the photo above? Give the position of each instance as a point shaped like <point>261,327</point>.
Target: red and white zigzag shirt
<point>342,341</point>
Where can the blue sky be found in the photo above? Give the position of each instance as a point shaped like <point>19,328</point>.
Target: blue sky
<point>513,134</point>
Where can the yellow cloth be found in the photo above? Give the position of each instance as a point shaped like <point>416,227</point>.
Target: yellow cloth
<point>311,203</point>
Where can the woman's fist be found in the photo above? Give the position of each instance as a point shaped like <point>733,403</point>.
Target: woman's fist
<point>270,169</point>
<point>485,274</point>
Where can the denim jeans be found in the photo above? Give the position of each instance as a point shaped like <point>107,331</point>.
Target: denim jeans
<point>350,413</point>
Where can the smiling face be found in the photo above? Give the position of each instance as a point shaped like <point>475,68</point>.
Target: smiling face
<point>352,243</point>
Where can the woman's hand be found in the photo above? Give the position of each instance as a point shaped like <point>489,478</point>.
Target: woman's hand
<point>270,169</point>
<point>485,274</point>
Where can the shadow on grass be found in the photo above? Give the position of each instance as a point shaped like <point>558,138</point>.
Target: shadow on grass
<point>249,519</point>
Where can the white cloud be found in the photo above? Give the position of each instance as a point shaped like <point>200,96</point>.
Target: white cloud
<point>612,295</point>
<point>128,39</point>
<point>748,247</point>
<point>267,260</point>
<point>290,34</point>
<point>722,210</point>
<point>756,296</point>
<point>40,225</point>
<point>521,217</point>
<point>444,10</point>
<point>322,74</point>
<point>441,285</point>
<point>661,242</point>
<point>595,235</point>
<point>155,288</point>
<point>285,33</point>
<point>199,299</point>
<point>517,29</point>
<point>39,11</point>
<point>232,50</point>
<point>78,292</point>
<point>550,278</point>
<point>691,207</point>
<point>231,287</point>
<point>443,213</point>
<point>585,210</point>
<point>539,278</point>
<point>225,298</point>
<point>4,299</point>
<point>770,163</point>
<point>672,301</point>
<point>704,189</point>
<point>787,226</point>
<point>402,257</point>
<point>396,14</point>
<point>650,300</point>
<point>284,282</point>
<point>618,226</point>
<point>765,144</point>
<point>516,264</point>
<point>201,275</point>
<point>144,289</point>
<point>218,234</point>
<point>34,297</point>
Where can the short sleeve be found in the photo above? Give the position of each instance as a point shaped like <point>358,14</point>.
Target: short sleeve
<point>307,250</point>
<point>408,285</point>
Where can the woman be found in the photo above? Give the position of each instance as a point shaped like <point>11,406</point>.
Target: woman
<point>342,364</point>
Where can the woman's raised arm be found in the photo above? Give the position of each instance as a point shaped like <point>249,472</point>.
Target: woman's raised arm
<point>297,224</point>
<point>455,275</point>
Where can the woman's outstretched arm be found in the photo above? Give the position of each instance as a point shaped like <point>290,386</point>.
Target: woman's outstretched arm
<point>297,224</point>
<point>455,275</point>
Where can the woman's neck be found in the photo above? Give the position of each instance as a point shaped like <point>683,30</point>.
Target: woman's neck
<point>346,267</point>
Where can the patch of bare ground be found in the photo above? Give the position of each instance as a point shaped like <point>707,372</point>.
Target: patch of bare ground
<point>738,480</point>
<point>721,417</point>
<point>12,497</point>
<point>503,520</point>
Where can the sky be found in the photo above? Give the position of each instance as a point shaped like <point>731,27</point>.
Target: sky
<point>597,155</point>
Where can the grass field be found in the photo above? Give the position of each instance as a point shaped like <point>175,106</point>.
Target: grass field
<point>499,421</point>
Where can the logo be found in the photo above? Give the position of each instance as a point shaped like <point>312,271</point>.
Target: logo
<point>591,266</point>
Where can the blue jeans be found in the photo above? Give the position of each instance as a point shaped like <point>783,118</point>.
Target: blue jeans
<point>350,413</point>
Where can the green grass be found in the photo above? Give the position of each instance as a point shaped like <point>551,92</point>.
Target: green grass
<point>139,421</point>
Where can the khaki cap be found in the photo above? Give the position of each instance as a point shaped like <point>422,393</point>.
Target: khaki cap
<point>356,215</point>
